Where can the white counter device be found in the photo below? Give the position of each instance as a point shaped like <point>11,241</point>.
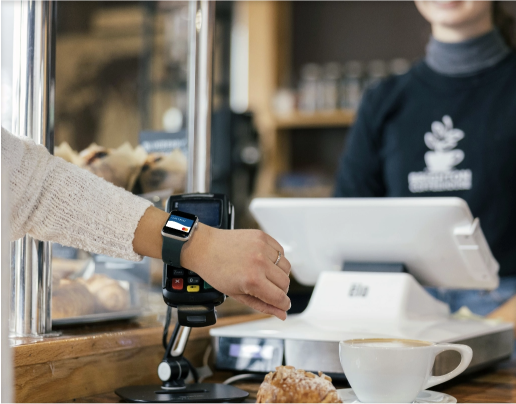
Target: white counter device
<point>438,241</point>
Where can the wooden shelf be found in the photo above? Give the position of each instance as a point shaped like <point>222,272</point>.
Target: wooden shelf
<point>270,31</point>
<point>341,118</point>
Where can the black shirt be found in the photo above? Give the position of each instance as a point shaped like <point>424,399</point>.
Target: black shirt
<point>426,134</point>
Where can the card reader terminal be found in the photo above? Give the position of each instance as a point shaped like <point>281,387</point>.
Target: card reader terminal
<point>183,288</point>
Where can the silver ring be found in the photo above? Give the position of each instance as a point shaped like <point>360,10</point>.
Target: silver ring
<point>279,257</point>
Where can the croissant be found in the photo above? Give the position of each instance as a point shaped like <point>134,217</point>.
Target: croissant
<point>108,292</point>
<point>164,171</point>
<point>119,166</point>
<point>288,385</point>
<point>71,299</point>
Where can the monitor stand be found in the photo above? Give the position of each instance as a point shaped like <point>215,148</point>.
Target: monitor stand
<point>373,296</point>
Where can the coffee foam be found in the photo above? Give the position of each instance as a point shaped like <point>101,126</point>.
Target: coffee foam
<point>388,343</point>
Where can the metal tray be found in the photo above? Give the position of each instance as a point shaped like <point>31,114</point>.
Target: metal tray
<point>100,317</point>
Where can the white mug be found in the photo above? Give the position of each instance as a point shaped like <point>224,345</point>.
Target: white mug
<point>392,370</point>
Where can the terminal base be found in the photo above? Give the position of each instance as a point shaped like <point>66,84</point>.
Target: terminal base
<point>191,393</point>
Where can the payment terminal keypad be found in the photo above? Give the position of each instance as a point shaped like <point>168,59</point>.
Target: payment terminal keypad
<point>177,283</point>
<point>183,280</point>
<point>182,286</point>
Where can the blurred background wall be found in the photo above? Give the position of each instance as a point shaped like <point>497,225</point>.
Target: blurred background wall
<point>288,77</point>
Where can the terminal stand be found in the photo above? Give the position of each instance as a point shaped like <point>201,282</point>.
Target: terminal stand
<point>173,371</point>
<point>192,393</point>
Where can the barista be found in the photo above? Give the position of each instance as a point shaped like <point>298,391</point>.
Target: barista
<point>447,128</point>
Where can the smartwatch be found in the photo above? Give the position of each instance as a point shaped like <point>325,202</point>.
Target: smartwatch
<point>178,229</point>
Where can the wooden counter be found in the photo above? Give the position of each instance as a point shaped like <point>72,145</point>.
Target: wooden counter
<point>495,385</point>
<point>88,364</point>
<point>98,359</point>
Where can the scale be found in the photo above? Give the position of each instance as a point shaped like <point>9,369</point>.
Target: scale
<point>369,259</point>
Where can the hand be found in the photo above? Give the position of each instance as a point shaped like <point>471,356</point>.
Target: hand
<point>240,264</point>
<point>506,312</point>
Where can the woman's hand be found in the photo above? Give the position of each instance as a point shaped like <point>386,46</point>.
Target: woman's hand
<point>240,264</point>
<point>506,312</point>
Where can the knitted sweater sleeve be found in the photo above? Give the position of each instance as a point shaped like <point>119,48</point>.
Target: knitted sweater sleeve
<point>53,200</point>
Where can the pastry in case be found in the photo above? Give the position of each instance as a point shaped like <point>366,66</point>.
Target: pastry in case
<point>94,288</point>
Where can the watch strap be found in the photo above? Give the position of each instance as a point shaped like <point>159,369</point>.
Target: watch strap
<point>171,251</point>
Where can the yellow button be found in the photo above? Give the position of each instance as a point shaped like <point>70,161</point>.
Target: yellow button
<point>192,288</point>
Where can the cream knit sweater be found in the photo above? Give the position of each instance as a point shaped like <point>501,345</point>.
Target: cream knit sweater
<point>53,200</point>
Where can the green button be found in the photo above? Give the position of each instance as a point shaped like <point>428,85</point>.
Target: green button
<point>207,285</point>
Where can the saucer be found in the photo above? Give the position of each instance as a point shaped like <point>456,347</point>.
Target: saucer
<point>426,396</point>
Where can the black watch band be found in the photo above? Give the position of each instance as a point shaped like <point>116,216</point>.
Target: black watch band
<point>171,251</point>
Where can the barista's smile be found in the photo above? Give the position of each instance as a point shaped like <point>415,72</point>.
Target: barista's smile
<point>447,3</point>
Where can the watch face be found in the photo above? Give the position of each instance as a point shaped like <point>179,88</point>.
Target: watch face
<point>179,224</point>
<point>208,210</point>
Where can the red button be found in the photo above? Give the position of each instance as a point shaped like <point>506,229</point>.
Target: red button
<point>177,283</point>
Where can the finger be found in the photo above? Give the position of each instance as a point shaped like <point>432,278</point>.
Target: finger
<point>279,278</point>
<point>274,244</point>
<point>263,307</point>
<point>283,263</point>
<point>268,292</point>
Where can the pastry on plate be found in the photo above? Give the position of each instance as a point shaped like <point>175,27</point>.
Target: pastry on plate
<point>288,385</point>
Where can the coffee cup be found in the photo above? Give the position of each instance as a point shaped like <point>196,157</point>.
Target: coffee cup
<point>395,370</point>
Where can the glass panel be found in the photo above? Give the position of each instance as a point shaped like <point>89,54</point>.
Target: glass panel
<point>121,107</point>
<point>7,27</point>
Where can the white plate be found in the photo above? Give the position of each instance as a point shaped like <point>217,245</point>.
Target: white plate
<point>426,396</point>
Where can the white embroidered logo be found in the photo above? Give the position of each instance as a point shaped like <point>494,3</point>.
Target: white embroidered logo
<point>440,174</point>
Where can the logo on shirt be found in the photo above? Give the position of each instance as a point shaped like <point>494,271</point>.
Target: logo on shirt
<point>440,173</point>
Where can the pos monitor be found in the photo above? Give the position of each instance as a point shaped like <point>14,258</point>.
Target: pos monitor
<point>437,239</point>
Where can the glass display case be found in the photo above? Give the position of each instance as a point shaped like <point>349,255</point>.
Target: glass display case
<point>123,117</point>
<point>118,100</point>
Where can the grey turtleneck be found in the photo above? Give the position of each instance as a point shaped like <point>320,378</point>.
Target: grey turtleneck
<point>468,57</point>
